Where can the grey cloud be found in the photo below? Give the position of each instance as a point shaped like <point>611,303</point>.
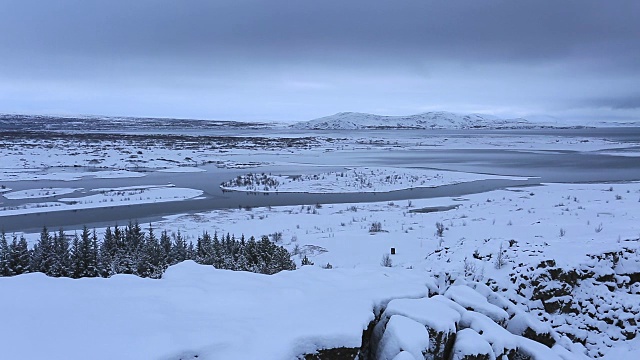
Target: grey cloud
<point>314,57</point>
<point>618,103</point>
<point>467,30</point>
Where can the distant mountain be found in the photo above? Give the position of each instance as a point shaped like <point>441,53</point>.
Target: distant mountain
<point>428,120</point>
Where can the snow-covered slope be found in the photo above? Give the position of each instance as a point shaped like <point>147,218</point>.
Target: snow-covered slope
<point>428,120</point>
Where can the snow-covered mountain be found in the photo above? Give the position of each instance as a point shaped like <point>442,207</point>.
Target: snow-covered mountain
<point>428,120</point>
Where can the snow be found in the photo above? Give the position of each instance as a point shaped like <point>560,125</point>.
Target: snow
<point>469,342</point>
<point>627,350</point>
<point>195,310</point>
<point>107,198</point>
<point>520,322</point>
<point>39,193</point>
<point>401,334</point>
<point>362,179</point>
<point>500,339</point>
<point>428,120</point>
<point>404,355</point>
<point>427,311</point>
<point>472,300</point>
<point>183,169</point>
<point>30,174</point>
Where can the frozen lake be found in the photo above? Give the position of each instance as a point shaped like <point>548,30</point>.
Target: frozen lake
<point>539,163</point>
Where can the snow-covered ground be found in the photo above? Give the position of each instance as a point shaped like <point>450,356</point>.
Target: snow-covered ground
<point>183,169</point>
<point>46,159</point>
<point>195,310</point>
<point>561,222</point>
<point>106,197</point>
<point>38,193</point>
<point>364,179</point>
<point>565,223</point>
<point>29,174</point>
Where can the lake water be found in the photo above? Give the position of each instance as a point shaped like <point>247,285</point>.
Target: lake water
<point>545,166</point>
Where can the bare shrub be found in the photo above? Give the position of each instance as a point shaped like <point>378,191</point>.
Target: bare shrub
<point>386,261</point>
<point>375,226</point>
<point>501,258</point>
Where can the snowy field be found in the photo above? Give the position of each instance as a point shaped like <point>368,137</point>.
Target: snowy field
<point>357,180</point>
<point>38,193</point>
<point>565,223</point>
<point>29,174</point>
<point>129,152</point>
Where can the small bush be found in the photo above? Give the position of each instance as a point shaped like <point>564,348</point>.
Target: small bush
<point>386,261</point>
<point>501,258</point>
<point>375,226</point>
<point>306,261</point>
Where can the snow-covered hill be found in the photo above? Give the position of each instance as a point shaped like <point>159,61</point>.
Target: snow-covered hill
<point>428,120</point>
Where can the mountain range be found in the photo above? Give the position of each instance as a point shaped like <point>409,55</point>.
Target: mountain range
<point>427,120</point>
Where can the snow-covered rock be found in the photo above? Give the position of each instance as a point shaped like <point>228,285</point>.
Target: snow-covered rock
<point>403,334</point>
<point>439,319</point>
<point>470,345</point>
<point>472,300</point>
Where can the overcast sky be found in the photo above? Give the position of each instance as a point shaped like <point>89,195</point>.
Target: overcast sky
<point>302,59</point>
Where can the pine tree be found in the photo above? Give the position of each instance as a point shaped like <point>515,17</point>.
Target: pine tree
<point>43,254</point>
<point>216,251</point>
<point>93,265</point>
<point>84,254</point>
<point>150,257</point>
<point>5,256</point>
<point>178,249</point>
<point>282,260</point>
<point>61,263</point>
<point>165,249</point>
<point>19,256</point>
<point>204,250</point>
<point>77,262</point>
<point>191,251</point>
<point>130,249</point>
<point>108,254</point>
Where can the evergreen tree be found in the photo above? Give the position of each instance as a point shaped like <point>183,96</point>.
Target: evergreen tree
<point>150,257</point>
<point>43,254</point>
<point>204,250</point>
<point>88,254</point>
<point>77,262</point>
<point>251,254</point>
<point>191,251</point>
<point>19,256</point>
<point>61,264</point>
<point>131,244</point>
<point>165,249</point>
<point>84,254</point>
<point>108,254</point>
<point>5,255</point>
<point>217,251</point>
<point>94,255</point>
<point>178,249</point>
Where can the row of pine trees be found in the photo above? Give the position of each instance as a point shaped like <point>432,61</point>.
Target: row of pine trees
<point>131,250</point>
